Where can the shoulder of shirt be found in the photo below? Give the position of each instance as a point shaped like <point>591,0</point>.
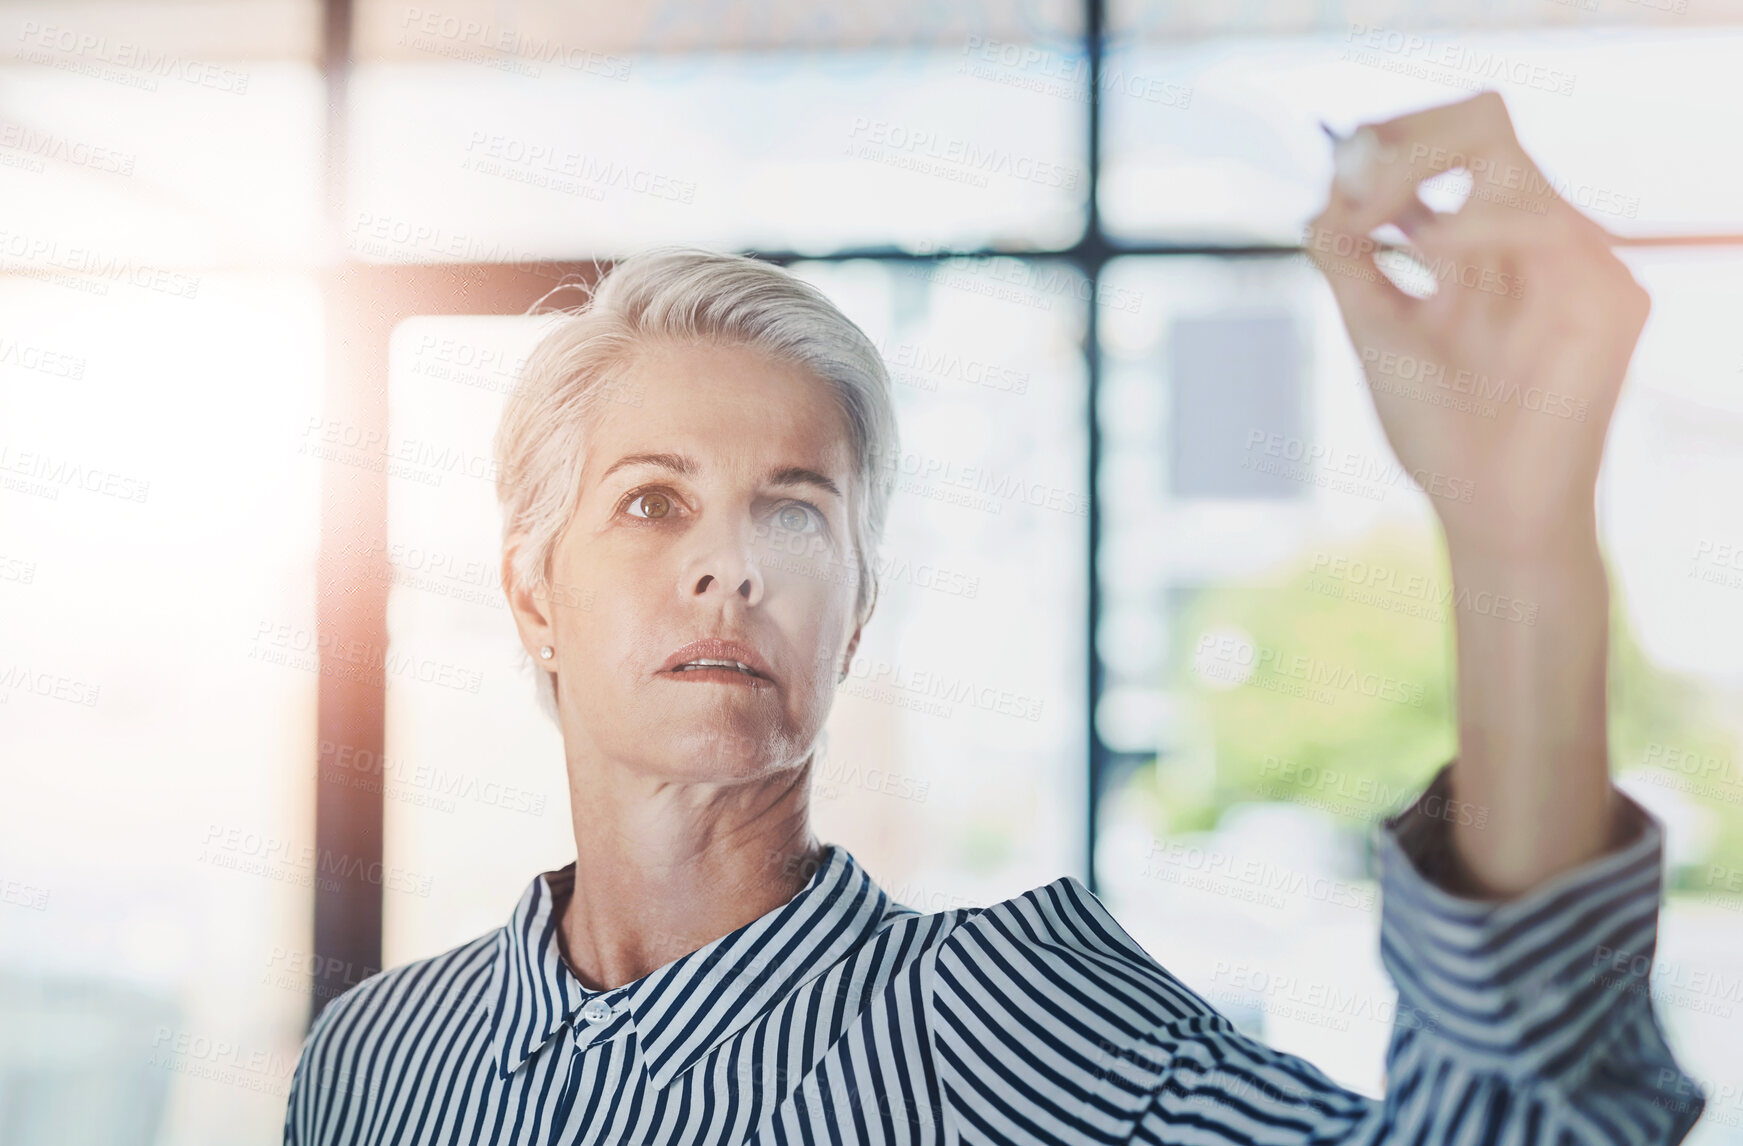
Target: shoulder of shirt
<point>1047,988</point>
<point>1060,941</point>
<point>1063,914</point>
<point>455,980</point>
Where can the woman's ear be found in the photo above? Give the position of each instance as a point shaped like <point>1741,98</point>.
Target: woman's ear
<point>530,607</point>
<point>847,655</point>
<point>858,631</point>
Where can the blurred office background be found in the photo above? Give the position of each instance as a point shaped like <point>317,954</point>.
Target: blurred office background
<point>264,724</point>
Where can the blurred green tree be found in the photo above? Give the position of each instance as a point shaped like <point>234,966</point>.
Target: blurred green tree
<point>1332,686</point>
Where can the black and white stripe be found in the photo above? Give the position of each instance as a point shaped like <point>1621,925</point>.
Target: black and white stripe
<point>843,1016</point>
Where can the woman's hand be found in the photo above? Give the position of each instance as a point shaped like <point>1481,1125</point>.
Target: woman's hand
<point>1534,318</point>
<point>1531,328</point>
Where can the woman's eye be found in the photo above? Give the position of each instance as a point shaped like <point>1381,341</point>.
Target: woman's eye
<point>654,505</point>
<point>795,518</point>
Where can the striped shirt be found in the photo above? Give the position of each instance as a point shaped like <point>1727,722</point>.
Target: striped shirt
<point>843,1016</point>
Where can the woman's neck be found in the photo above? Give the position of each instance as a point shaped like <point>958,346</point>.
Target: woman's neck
<point>664,868</point>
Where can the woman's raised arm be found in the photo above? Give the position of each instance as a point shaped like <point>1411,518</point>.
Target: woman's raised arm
<point>1528,1020</point>
<point>1531,307</point>
<point>1521,889</point>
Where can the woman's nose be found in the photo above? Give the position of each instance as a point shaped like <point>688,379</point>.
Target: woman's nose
<point>728,564</point>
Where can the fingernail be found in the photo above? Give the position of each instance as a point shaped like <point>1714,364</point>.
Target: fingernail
<point>1353,164</point>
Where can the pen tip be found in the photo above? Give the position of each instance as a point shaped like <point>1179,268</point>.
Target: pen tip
<point>1330,134</point>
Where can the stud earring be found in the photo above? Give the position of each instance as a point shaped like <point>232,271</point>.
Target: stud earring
<point>546,652</point>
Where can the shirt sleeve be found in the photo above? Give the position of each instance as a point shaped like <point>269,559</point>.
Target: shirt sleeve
<point>314,1082</point>
<point>1524,1020</point>
<point>302,1105</point>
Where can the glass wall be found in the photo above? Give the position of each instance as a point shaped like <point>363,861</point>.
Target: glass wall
<point>160,355</point>
<point>162,454</point>
<point>1235,833</point>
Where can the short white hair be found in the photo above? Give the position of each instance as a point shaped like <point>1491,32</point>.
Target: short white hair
<point>677,294</point>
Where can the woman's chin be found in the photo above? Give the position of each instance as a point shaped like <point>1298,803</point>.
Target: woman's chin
<point>727,749</point>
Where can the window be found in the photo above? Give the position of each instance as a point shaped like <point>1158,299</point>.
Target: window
<point>160,356</point>
<point>223,303</point>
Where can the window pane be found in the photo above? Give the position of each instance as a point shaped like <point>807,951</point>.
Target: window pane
<point>1221,368</point>
<point>1674,533</point>
<point>134,165</point>
<point>954,762</point>
<point>1163,20</point>
<point>454,161</point>
<point>970,675</point>
<point>558,31</point>
<point>1194,579</point>
<point>473,786</point>
<point>1236,770</point>
<point>166,38</point>
<point>1614,118</point>
<point>157,707</point>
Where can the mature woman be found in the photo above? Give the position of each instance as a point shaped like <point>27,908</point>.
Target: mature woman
<point>707,971</point>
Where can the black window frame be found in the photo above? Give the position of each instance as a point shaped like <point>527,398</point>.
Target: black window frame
<point>364,300</point>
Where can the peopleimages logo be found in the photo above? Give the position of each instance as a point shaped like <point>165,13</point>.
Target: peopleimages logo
<point>34,682</point>
<point>52,474</point>
<point>1248,878</point>
<point>122,61</point>
<point>58,364</point>
<point>1224,656</point>
<point>424,783</point>
<point>881,139</point>
<point>1445,61</point>
<point>16,893</point>
<point>948,688</point>
<point>557,168</point>
<point>463,38</point>
<point>219,1060</point>
<point>1383,586</point>
<point>258,853</point>
<point>1064,75</point>
<point>1693,763</point>
<point>1481,387</point>
<point>1336,460</point>
<point>1320,1003</point>
<point>1532,186</point>
<point>90,270</point>
<point>1418,272</point>
<point>922,366</point>
<point>898,465</point>
<point>309,650</point>
<point>1342,792</point>
<point>45,145</point>
<point>17,569</point>
<point>832,777</point>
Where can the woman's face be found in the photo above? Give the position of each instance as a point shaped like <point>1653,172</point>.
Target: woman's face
<point>713,506</point>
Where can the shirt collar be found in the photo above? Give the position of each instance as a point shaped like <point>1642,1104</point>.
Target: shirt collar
<point>532,994</point>
<point>685,1009</point>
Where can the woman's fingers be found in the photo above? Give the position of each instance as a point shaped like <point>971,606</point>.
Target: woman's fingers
<point>1482,260</point>
<point>1379,170</point>
<point>1384,164</point>
<point>1470,246</point>
<point>1341,247</point>
<point>1479,262</point>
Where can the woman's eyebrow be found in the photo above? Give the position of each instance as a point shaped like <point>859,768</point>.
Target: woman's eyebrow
<point>677,463</point>
<point>686,466</point>
<point>799,475</point>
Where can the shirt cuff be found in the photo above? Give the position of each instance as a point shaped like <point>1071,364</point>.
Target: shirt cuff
<point>1534,987</point>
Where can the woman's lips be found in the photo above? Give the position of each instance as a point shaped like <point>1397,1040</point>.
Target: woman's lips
<point>747,666</point>
<point>716,676</point>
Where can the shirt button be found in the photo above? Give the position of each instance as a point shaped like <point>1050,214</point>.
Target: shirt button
<point>597,1010</point>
